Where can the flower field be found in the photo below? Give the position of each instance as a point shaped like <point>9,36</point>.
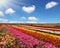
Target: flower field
<point>53,39</point>
<point>14,36</point>
<point>6,39</point>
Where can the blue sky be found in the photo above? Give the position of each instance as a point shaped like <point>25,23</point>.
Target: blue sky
<point>29,11</point>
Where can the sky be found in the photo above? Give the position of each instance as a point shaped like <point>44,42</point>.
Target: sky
<point>29,11</point>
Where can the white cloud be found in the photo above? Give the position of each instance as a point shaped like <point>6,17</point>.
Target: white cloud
<point>14,22</point>
<point>10,11</point>
<point>31,22</point>
<point>28,9</point>
<point>51,4</point>
<point>23,18</point>
<point>3,20</point>
<point>1,13</point>
<point>32,18</point>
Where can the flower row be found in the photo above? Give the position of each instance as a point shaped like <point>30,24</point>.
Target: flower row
<point>54,39</point>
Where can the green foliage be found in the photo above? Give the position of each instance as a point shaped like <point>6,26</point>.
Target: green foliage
<point>17,43</point>
<point>40,45</point>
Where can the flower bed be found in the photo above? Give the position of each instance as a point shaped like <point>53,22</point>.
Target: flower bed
<point>27,41</point>
<point>6,40</point>
<point>53,39</point>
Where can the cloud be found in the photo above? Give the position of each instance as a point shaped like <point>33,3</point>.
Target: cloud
<point>3,20</point>
<point>1,13</point>
<point>28,9</point>
<point>23,18</point>
<point>32,18</point>
<point>14,22</point>
<point>51,4</point>
<point>31,22</point>
<point>10,11</point>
